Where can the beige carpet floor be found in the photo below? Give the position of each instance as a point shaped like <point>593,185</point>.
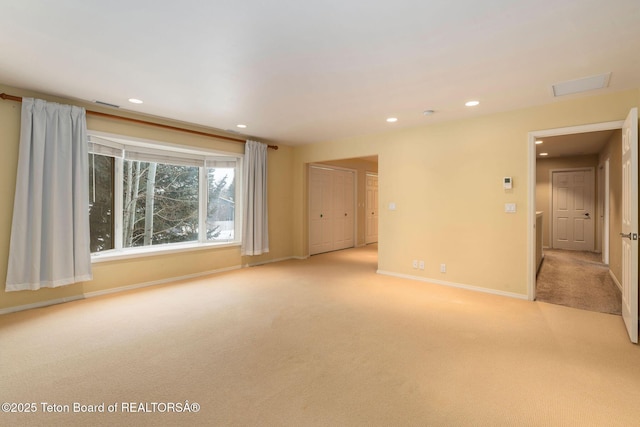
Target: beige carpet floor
<point>318,342</point>
<point>577,279</point>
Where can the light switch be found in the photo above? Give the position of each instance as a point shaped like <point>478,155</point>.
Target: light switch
<point>392,206</point>
<point>510,207</point>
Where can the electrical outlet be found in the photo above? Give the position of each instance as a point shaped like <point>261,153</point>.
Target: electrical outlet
<point>443,268</point>
<point>415,263</point>
<point>421,265</point>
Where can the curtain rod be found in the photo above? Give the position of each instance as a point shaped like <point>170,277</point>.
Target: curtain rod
<point>144,122</point>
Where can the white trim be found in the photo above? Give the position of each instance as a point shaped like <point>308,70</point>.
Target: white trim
<point>159,282</point>
<point>136,286</point>
<point>532,268</point>
<point>150,144</point>
<point>271,261</point>
<point>146,251</point>
<point>118,204</point>
<point>615,280</point>
<point>331,167</point>
<point>454,285</point>
<point>605,231</point>
<point>114,290</point>
<point>531,192</point>
<point>594,127</point>
<point>40,304</point>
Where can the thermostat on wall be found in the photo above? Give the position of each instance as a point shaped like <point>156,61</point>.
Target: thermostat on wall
<point>507,182</point>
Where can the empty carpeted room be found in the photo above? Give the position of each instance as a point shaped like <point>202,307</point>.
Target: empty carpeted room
<point>343,213</point>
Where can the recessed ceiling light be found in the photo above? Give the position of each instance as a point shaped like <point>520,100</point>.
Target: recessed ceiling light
<point>539,141</point>
<point>241,126</point>
<point>392,119</point>
<point>544,154</point>
<point>135,101</point>
<point>471,103</point>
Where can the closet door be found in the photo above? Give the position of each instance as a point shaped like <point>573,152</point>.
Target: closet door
<point>371,234</point>
<point>331,209</point>
<point>320,211</point>
<point>343,210</point>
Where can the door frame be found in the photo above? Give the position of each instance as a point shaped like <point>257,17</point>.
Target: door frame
<point>531,193</point>
<point>593,201</point>
<point>603,196</point>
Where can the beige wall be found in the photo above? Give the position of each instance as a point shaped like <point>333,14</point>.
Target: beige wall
<point>543,188</point>
<point>115,274</point>
<point>361,166</point>
<point>446,181</point>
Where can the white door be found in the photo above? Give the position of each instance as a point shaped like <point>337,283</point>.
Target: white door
<point>320,227</point>
<point>342,209</point>
<point>371,225</point>
<point>606,219</point>
<point>331,209</point>
<point>630,224</point>
<point>349,210</point>
<point>573,225</point>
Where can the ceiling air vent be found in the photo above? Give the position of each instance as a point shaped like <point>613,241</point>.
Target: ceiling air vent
<point>106,104</point>
<point>581,85</point>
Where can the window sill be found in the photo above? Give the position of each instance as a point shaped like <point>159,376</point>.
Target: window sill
<point>116,255</point>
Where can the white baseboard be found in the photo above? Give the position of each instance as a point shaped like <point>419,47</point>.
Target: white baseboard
<point>255,264</point>
<point>158,282</point>
<point>135,286</point>
<point>41,304</point>
<point>615,280</point>
<point>455,285</point>
<point>113,290</point>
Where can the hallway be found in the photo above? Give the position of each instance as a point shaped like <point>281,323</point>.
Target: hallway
<point>579,280</point>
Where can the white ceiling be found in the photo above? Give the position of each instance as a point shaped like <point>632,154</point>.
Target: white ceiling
<point>299,72</point>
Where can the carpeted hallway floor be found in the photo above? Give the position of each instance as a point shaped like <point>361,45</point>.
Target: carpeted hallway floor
<point>319,342</point>
<point>577,279</point>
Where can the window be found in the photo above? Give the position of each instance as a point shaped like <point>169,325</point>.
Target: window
<point>146,195</point>
<point>101,173</point>
<point>160,203</point>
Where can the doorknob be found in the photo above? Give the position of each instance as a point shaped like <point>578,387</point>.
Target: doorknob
<point>630,236</point>
<point>587,215</point>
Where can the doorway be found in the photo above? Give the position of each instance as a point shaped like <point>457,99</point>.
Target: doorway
<point>628,284</point>
<point>571,272</point>
<point>565,148</point>
<point>361,168</point>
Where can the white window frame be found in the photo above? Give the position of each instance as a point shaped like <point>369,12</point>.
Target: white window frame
<point>117,146</point>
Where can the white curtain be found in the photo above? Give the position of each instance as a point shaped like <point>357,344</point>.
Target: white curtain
<point>50,231</point>
<point>255,233</point>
